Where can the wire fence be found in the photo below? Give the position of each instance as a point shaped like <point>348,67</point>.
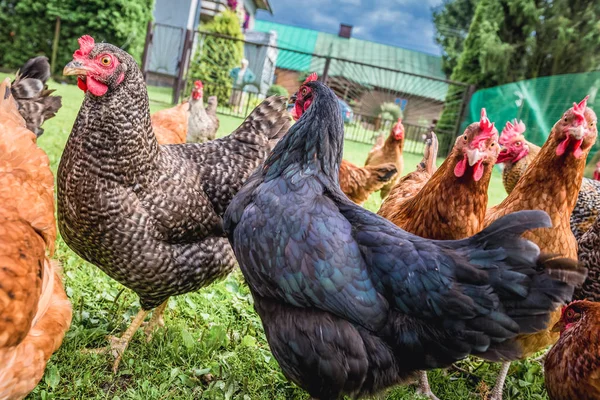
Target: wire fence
<point>371,96</point>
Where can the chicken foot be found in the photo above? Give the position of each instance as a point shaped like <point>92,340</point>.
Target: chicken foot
<point>117,345</point>
<point>499,386</point>
<point>424,388</point>
<point>156,320</point>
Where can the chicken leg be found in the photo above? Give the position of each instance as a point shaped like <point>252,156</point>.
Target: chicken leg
<point>499,386</point>
<point>156,320</point>
<point>424,388</point>
<point>117,345</point>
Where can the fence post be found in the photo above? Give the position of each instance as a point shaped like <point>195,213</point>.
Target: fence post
<point>55,46</point>
<point>187,45</point>
<point>149,35</point>
<point>326,70</point>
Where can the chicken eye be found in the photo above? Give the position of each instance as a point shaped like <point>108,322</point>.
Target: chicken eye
<point>518,144</point>
<point>566,119</point>
<point>493,144</point>
<point>304,92</point>
<point>105,60</point>
<point>465,138</point>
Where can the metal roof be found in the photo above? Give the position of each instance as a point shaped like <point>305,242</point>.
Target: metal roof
<point>389,58</point>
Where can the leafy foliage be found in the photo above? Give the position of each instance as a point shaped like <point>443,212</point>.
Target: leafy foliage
<point>277,90</point>
<point>511,40</point>
<point>390,111</point>
<point>452,20</point>
<point>27,27</point>
<point>216,56</point>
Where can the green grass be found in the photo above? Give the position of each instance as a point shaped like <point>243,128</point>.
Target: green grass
<point>213,345</point>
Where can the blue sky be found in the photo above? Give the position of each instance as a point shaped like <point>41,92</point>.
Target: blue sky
<point>404,23</point>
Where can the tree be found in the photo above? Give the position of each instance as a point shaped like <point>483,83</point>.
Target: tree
<point>27,27</point>
<point>452,20</point>
<point>217,56</point>
<point>567,39</point>
<point>495,51</point>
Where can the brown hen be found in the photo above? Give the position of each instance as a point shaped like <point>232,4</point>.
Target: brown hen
<point>412,183</point>
<point>34,310</point>
<point>572,367</point>
<point>359,182</point>
<point>518,154</point>
<point>389,151</point>
<point>171,125</point>
<point>564,153</point>
<point>452,203</point>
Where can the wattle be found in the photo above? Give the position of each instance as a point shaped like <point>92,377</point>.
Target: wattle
<point>81,84</point>
<point>95,87</point>
<point>478,173</point>
<point>461,167</point>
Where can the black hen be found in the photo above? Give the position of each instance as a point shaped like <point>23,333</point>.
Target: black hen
<point>148,215</point>
<point>350,303</point>
<point>32,95</point>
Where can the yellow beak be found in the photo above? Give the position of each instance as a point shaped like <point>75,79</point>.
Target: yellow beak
<point>75,68</point>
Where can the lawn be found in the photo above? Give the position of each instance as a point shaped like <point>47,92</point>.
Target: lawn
<point>213,345</point>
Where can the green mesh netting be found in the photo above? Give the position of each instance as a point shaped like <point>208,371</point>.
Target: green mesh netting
<point>538,102</point>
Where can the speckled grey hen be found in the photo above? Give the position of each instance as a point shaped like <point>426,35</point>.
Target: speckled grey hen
<point>589,257</point>
<point>147,215</point>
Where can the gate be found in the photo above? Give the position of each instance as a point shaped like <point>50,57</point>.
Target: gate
<point>372,94</point>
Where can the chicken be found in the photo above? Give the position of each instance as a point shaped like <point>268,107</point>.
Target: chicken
<point>35,102</point>
<point>563,156</point>
<point>356,182</point>
<point>150,216</point>
<point>171,124</point>
<point>350,303</point>
<point>597,172</point>
<point>389,151</point>
<point>587,208</point>
<point>34,310</point>
<point>572,367</point>
<point>589,257</point>
<point>203,123</point>
<point>412,183</point>
<point>518,154</point>
<point>452,204</point>
<point>359,182</point>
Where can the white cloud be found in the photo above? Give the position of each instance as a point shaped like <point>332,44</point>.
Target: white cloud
<point>404,23</point>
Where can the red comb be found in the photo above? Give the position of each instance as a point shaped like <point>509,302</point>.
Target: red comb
<point>486,130</point>
<point>511,131</point>
<point>312,77</point>
<point>86,44</point>
<point>579,109</point>
<point>198,84</point>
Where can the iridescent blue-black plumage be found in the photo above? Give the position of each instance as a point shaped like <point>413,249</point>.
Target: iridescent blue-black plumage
<point>350,303</point>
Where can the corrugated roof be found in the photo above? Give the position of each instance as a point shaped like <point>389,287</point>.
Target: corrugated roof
<point>361,51</point>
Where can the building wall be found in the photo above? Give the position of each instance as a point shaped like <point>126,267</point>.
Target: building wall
<point>288,79</point>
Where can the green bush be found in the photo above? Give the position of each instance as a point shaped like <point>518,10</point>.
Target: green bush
<point>389,111</point>
<point>216,56</point>
<point>277,90</point>
<point>27,27</point>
